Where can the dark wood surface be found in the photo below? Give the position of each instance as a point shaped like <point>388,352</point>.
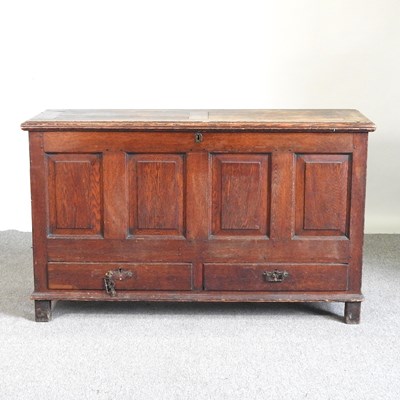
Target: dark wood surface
<point>150,276</point>
<point>279,120</point>
<point>201,296</point>
<point>352,311</point>
<point>42,310</point>
<point>239,179</point>
<point>74,194</point>
<point>328,176</point>
<point>301,277</point>
<point>199,219</point>
<point>183,142</point>
<point>40,206</point>
<point>225,248</point>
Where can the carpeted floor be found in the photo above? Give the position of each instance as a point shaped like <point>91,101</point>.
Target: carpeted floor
<point>200,351</point>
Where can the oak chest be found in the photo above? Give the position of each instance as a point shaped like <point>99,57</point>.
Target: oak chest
<point>198,205</point>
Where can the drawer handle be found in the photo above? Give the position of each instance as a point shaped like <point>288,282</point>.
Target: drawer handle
<point>275,275</point>
<point>115,275</point>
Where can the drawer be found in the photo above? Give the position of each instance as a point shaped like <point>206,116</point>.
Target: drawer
<point>134,276</point>
<point>275,277</point>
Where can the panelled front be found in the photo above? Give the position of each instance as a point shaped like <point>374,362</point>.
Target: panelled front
<point>140,203</point>
<point>136,199</point>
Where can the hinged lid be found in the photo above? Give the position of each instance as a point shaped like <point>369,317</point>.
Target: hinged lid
<point>239,120</point>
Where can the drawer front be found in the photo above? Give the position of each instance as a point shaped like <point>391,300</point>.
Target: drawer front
<point>134,276</point>
<point>275,277</point>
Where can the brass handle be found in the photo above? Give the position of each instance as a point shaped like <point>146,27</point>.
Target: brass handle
<point>198,137</point>
<point>275,275</point>
<point>113,275</point>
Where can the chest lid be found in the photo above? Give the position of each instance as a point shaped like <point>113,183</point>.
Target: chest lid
<point>264,120</point>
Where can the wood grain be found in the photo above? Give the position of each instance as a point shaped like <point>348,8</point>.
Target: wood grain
<point>214,249</point>
<point>282,196</point>
<point>156,194</point>
<point>265,120</point>
<point>323,194</point>
<point>115,194</point>
<point>39,204</point>
<point>183,142</point>
<point>358,190</point>
<point>301,277</point>
<point>149,276</point>
<point>198,224</point>
<point>75,195</point>
<point>240,194</point>
<point>200,296</point>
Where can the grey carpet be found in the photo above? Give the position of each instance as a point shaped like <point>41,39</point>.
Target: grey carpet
<point>200,351</point>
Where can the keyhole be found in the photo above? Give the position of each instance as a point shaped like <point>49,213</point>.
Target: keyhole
<point>198,137</point>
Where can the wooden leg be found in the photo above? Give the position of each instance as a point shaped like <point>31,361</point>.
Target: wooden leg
<point>42,310</point>
<point>352,312</point>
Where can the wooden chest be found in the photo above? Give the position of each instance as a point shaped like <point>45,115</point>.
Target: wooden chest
<point>198,205</point>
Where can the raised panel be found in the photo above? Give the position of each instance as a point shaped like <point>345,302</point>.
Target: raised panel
<point>323,194</point>
<point>156,194</point>
<point>74,189</point>
<point>240,194</point>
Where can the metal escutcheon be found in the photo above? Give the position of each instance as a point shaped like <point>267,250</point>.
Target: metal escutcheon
<point>111,276</point>
<point>198,137</point>
<point>275,275</point>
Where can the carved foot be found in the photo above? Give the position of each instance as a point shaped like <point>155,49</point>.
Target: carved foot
<point>42,310</point>
<point>352,312</point>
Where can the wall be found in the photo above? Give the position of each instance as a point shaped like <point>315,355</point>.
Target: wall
<point>201,54</point>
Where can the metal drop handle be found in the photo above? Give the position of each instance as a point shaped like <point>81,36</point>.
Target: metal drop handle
<point>115,275</point>
<point>275,275</point>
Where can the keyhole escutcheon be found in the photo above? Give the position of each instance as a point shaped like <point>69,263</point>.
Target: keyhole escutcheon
<point>198,137</point>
